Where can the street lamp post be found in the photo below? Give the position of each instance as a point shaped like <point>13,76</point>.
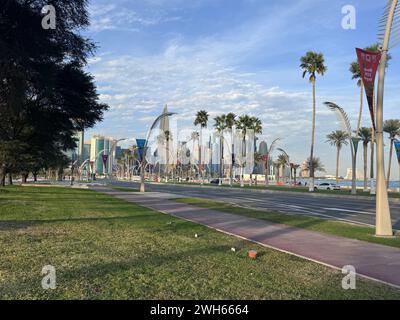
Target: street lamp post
<point>344,119</point>
<point>112,149</point>
<point>383,219</point>
<point>142,185</point>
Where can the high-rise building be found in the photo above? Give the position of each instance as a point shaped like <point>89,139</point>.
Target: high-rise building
<point>76,154</point>
<point>103,146</point>
<point>263,148</point>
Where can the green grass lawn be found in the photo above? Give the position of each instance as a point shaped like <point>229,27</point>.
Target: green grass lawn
<point>124,189</point>
<point>105,248</point>
<point>337,228</point>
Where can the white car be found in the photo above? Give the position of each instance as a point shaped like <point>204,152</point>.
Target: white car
<point>327,186</point>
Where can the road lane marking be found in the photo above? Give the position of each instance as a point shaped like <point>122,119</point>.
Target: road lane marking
<point>346,210</point>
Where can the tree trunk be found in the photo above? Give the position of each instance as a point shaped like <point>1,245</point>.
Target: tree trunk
<point>10,180</point>
<point>221,158</point>
<point>390,163</point>
<point>365,167</point>
<point>311,187</point>
<point>60,172</point>
<point>35,176</point>
<point>337,164</point>
<point>2,177</point>
<point>24,177</point>
<point>266,172</point>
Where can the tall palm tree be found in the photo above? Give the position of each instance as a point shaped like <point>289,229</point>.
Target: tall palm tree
<point>220,126</point>
<point>365,135</point>
<point>392,127</point>
<point>294,167</point>
<point>168,137</point>
<point>312,64</point>
<point>195,136</point>
<point>356,75</point>
<point>243,124</point>
<point>256,126</point>
<point>277,166</point>
<point>230,123</point>
<point>283,162</point>
<point>246,123</point>
<point>201,120</point>
<point>257,159</point>
<point>337,139</point>
<point>316,164</point>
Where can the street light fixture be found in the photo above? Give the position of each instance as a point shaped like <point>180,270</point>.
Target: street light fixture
<point>344,120</point>
<point>163,115</point>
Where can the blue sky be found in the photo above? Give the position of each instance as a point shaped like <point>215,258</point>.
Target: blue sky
<point>238,56</point>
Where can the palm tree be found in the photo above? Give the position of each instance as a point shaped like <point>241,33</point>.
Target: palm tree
<point>257,159</point>
<point>168,137</point>
<point>246,123</point>
<point>243,124</point>
<point>277,166</point>
<point>220,126</point>
<point>230,122</point>
<point>356,75</point>
<point>282,161</point>
<point>256,126</point>
<point>195,137</point>
<point>365,135</point>
<point>337,139</point>
<point>201,120</point>
<point>312,64</point>
<point>295,167</point>
<point>316,164</point>
<point>392,127</point>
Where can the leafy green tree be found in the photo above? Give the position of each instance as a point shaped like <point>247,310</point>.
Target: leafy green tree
<point>45,94</point>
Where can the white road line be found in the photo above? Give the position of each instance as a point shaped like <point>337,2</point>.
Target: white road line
<point>354,211</point>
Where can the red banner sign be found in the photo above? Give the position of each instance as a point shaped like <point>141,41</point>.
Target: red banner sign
<point>369,63</point>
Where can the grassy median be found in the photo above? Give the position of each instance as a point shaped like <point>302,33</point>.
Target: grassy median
<point>105,248</point>
<point>337,228</point>
<point>297,189</point>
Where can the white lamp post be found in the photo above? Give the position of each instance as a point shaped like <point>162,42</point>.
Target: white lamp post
<point>383,219</point>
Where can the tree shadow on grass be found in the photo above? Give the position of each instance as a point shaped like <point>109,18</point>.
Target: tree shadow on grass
<point>13,225</point>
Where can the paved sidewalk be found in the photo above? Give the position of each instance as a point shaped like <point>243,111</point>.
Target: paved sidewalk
<point>374,261</point>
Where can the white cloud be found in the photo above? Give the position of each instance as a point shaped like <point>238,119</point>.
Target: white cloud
<point>122,18</point>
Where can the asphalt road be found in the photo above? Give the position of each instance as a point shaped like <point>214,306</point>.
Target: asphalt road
<point>351,210</point>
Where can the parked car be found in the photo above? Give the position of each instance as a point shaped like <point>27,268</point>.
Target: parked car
<point>327,186</point>
<point>214,181</point>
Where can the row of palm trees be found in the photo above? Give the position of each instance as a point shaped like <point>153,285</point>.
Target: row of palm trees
<point>244,123</point>
<point>313,64</point>
<point>340,138</point>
